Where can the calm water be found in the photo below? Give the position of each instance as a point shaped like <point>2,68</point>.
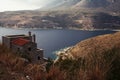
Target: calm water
<point>53,40</point>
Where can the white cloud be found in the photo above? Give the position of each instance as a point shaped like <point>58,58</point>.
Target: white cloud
<point>40,2</point>
<point>10,5</point>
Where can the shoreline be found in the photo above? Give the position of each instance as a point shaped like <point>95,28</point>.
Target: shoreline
<point>62,50</point>
<point>77,29</point>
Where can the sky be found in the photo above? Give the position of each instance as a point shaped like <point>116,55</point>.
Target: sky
<point>13,5</point>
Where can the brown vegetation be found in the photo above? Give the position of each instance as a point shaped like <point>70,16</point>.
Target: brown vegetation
<point>14,67</point>
<point>97,65</point>
<point>96,45</point>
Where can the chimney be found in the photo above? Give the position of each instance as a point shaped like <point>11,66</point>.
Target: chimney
<point>30,37</point>
<point>34,38</point>
<point>29,33</point>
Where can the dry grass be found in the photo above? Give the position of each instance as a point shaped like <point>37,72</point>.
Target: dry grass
<point>98,58</point>
<point>104,66</point>
<point>96,45</point>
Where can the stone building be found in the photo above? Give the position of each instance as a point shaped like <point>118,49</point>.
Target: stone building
<point>24,45</point>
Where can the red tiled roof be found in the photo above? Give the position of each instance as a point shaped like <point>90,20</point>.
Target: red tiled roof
<point>20,41</point>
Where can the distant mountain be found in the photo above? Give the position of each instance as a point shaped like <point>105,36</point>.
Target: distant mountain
<point>100,21</point>
<point>114,5</point>
<point>59,20</point>
<point>109,5</point>
<point>60,4</point>
<point>75,14</point>
<point>92,3</point>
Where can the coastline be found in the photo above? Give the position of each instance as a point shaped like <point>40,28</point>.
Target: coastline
<point>62,29</point>
<point>62,51</point>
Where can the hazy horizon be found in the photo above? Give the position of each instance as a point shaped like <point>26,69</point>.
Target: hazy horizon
<point>14,5</point>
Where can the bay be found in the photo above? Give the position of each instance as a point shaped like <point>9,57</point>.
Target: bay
<point>52,40</point>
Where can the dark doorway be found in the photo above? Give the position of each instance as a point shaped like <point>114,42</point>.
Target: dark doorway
<point>38,57</point>
<point>29,49</point>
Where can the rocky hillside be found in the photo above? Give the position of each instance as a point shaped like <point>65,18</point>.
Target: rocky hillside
<point>93,57</point>
<point>60,19</point>
<point>70,14</point>
<point>96,45</point>
<point>110,5</point>
<point>101,21</point>
<point>26,19</point>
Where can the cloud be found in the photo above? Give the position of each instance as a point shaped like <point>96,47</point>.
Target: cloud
<point>9,5</point>
<point>40,2</point>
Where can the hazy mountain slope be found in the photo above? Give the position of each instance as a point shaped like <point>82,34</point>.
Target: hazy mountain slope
<point>92,3</point>
<point>110,5</point>
<point>114,6</point>
<point>59,4</point>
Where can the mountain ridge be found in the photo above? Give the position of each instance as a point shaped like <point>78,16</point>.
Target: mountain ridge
<point>92,4</point>
<point>68,16</point>
<point>110,5</point>
<point>59,5</point>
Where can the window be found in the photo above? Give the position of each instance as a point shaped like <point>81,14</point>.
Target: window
<point>38,57</point>
<point>29,49</point>
<point>18,49</point>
